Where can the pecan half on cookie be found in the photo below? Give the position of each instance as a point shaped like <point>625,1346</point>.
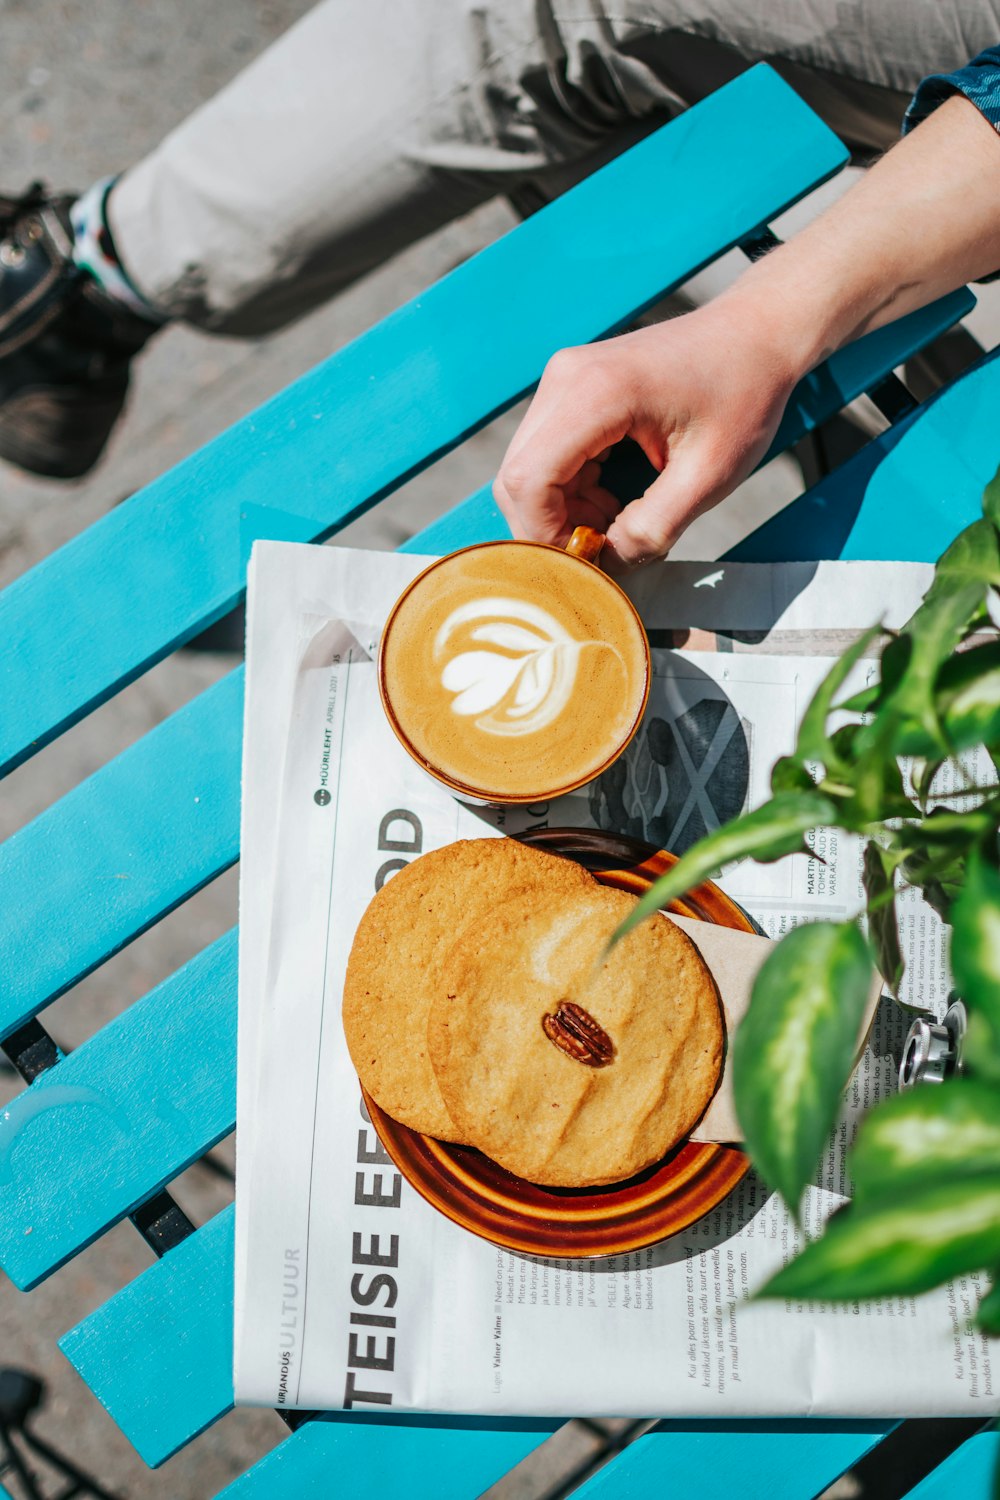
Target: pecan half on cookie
<point>574,1031</point>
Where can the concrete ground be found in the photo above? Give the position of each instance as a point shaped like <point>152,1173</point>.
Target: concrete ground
<point>85,88</point>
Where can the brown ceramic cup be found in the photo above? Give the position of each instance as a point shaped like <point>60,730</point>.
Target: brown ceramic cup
<point>515,672</point>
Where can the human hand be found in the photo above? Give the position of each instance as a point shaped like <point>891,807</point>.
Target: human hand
<point>702,395</point>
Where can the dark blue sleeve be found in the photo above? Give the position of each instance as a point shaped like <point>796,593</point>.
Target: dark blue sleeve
<point>979,81</point>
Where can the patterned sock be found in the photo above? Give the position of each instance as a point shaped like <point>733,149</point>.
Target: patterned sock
<point>94,250</point>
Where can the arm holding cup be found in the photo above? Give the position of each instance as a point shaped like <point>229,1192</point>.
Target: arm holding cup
<point>703,394</point>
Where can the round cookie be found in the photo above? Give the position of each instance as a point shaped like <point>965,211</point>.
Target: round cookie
<point>393,968</point>
<point>619,1072</point>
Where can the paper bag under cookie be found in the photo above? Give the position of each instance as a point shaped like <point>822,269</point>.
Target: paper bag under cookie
<point>734,959</point>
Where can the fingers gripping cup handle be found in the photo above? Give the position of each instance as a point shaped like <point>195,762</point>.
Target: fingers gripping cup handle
<point>586,543</point>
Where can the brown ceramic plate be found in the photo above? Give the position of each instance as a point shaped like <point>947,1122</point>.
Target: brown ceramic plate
<point>473,1191</point>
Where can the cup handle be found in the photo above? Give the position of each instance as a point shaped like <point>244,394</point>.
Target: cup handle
<point>586,543</point>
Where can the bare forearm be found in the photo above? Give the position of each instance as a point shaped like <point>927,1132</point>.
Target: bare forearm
<point>703,395</point>
<point>924,220</point>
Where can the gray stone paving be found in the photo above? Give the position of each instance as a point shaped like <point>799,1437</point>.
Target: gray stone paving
<point>85,88</point>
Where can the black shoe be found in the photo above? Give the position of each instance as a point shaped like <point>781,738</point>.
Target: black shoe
<point>65,345</point>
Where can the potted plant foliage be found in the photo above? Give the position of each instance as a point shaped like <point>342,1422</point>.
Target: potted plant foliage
<point>926,1163</point>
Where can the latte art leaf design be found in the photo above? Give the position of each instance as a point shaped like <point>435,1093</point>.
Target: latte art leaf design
<point>524,681</point>
<point>479,679</point>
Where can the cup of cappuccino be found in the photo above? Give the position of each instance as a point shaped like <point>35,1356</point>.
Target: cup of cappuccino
<point>515,672</point>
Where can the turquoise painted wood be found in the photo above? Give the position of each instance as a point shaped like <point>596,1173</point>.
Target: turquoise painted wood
<point>120,850</point>
<point>168,845</point>
<point>735,1461</point>
<point>436,1461</point>
<point>968,1474</point>
<point>859,366</point>
<point>112,1123</point>
<point>477,519</point>
<point>408,390</point>
<point>176,1322</point>
<point>907,493</point>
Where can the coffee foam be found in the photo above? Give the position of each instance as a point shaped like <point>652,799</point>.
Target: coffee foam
<point>515,670</point>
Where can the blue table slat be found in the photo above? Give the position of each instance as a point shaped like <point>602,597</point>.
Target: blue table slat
<point>906,494</point>
<point>176,1321</point>
<point>117,1119</point>
<point>120,850</point>
<point>432,1460</point>
<point>967,1474</point>
<point>762,1460</point>
<point>476,519</point>
<point>172,558</point>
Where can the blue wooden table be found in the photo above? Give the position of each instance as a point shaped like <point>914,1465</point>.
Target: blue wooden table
<point>99,1135</point>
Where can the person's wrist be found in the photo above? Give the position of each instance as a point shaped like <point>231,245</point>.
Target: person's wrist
<point>773,348</point>
<point>798,309</point>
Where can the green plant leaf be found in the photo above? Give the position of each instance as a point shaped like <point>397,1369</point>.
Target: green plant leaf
<point>790,775</point>
<point>845,739</point>
<point>988,1311</point>
<point>993,607</point>
<point>975,943</point>
<point>899,1247</point>
<point>991,500</point>
<point>813,741</point>
<point>967,699</point>
<point>975,948</point>
<point>940,873</point>
<point>974,556</point>
<point>924,772</point>
<point>864,701</point>
<point>879,868</point>
<point>895,660</point>
<point>945,1132</point>
<point>794,1050</point>
<point>933,632</point>
<point>982,1049</point>
<point>945,832</point>
<point>892,799</point>
<point>969,693</point>
<point>767,833</point>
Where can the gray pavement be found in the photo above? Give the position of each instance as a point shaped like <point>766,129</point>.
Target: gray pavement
<point>86,88</point>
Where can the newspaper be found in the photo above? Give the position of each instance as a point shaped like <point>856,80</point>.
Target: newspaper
<point>351,1291</point>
